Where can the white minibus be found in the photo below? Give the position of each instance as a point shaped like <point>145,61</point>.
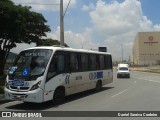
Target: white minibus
<point>42,74</point>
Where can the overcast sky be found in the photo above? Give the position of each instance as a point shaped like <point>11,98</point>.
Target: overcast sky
<point>93,23</point>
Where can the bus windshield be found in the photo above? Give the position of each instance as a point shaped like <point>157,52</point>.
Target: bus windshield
<point>30,64</point>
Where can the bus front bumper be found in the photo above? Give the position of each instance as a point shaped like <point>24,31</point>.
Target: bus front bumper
<point>35,96</point>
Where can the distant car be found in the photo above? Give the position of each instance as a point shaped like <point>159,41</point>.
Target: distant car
<point>123,71</point>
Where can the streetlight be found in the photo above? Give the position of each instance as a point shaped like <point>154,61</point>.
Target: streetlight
<point>61,24</point>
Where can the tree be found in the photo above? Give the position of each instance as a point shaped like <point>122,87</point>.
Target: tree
<point>50,42</point>
<point>18,25</point>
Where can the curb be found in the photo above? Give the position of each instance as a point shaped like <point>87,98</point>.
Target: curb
<point>2,101</point>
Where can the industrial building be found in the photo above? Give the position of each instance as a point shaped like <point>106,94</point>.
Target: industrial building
<point>146,48</point>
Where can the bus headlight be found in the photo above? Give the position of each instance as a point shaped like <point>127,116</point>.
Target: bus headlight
<point>36,86</point>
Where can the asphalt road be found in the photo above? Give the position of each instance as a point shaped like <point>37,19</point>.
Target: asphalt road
<point>139,93</point>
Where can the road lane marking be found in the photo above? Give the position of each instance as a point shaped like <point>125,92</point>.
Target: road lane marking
<point>148,80</point>
<point>120,93</point>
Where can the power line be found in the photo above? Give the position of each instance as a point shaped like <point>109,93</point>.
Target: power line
<point>37,3</point>
<point>66,8</point>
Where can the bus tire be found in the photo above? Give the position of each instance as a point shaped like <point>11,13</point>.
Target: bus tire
<point>59,96</point>
<point>98,86</point>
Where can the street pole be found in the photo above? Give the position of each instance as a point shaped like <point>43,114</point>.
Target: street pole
<point>122,52</point>
<point>61,24</point>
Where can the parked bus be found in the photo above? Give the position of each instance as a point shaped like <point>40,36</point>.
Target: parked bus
<point>42,74</point>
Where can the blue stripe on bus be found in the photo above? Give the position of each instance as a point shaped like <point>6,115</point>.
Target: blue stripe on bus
<point>99,75</point>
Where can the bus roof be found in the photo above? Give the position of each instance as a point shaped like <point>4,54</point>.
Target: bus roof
<point>55,48</point>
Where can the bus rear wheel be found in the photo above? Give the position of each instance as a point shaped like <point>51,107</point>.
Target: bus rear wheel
<point>59,96</point>
<point>98,86</point>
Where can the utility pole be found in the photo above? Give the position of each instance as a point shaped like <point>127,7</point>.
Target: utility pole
<point>122,51</point>
<point>61,24</point>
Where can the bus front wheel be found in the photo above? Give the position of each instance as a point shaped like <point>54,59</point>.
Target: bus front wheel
<point>59,96</point>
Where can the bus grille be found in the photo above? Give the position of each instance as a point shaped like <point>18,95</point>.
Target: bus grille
<point>20,89</point>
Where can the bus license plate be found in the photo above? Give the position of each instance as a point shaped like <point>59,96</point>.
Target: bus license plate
<point>17,98</point>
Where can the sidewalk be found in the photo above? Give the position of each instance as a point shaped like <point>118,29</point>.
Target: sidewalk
<point>153,69</point>
<point>2,100</point>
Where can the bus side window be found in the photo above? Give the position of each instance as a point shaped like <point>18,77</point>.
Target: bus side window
<point>60,63</point>
<point>73,62</point>
<point>57,65</point>
<point>92,62</point>
<point>84,62</point>
<point>102,62</point>
<point>97,62</point>
<point>52,71</point>
<point>108,60</point>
